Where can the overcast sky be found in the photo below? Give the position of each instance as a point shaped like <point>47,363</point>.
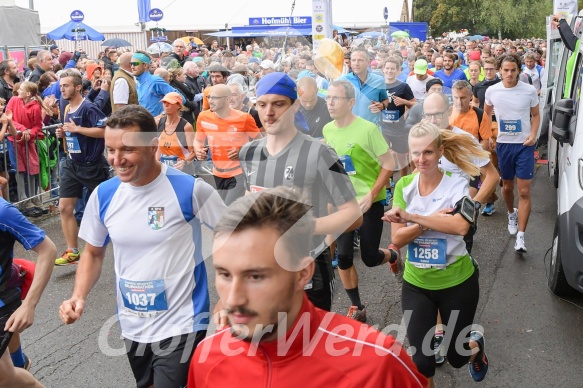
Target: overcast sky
<point>120,15</point>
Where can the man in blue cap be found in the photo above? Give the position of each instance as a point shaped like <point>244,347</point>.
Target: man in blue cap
<point>288,157</point>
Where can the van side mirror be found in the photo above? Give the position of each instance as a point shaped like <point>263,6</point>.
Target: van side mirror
<point>562,113</point>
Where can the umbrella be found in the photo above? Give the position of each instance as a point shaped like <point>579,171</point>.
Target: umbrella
<point>156,48</point>
<point>357,42</point>
<point>65,32</point>
<point>400,34</point>
<point>186,39</point>
<point>476,37</point>
<point>116,42</point>
<point>371,34</point>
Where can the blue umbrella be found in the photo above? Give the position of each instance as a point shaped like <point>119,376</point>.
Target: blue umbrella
<point>476,37</point>
<point>65,32</point>
<point>371,34</point>
<point>116,42</point>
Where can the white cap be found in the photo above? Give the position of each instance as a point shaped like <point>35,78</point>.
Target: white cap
<point>267,64</point>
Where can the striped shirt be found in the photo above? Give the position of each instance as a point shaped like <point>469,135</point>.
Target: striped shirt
<point>309,165</point>
<point>305,163</point>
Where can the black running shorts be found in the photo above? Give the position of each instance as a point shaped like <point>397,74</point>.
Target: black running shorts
<point>75,176</point>
<point>163,364</point>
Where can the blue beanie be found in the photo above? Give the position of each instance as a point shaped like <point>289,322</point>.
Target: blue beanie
<point>277,83</point>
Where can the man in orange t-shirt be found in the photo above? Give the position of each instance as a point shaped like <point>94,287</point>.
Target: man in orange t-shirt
<point>226,130</point>
<point>468,118</point>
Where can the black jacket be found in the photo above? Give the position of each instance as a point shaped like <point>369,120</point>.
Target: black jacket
<point>188,94</point>
<point>35,75</point>
<point>197,84</point>
<point>5,90</point>
<point>181,61</point>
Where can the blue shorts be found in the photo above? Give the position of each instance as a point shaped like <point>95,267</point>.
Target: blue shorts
<point>515,160</point>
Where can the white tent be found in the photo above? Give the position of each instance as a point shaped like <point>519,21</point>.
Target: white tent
<point>122,15</point>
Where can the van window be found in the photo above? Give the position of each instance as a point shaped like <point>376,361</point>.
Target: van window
<point>552,68</point>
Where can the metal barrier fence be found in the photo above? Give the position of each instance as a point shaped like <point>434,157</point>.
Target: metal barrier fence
<point>28,186</point>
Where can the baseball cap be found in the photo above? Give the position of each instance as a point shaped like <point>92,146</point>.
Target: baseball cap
<point>217,67</point>
<point>420,67</point>
<point>267,64</point>
<point>53,46</point>
<point>431,82</point>
<point>474,56</point>
<point>253,60</point>
<point>240,69</point>
<point>173,98</point>
<point>277,83</point>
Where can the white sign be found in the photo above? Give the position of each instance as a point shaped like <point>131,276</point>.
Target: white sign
<point>321,21</point>
<point>565,7</point>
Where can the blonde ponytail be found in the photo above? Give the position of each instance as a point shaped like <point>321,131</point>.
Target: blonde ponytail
<point>459,149</point>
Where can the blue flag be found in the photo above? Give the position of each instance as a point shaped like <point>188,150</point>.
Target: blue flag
<point>143,10</point>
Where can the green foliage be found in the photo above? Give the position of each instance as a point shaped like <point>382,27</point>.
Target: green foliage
<point>513,18</point>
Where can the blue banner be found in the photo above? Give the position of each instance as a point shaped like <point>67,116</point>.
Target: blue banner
<point>278,21</point>
<point>143,10</point>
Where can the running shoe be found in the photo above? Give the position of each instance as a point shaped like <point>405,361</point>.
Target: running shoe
<point>356,241</point>
<point>479,367</point>
<point>67,258</point>
<point>438,349</point>
<point>489,209</point>
<point>519,245</point>
<point>356,314</point>
<point>396,266</point>
<point>33,212</point>
<point>513,222</point>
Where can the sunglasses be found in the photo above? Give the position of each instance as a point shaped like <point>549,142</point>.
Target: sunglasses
<point>136,63</point>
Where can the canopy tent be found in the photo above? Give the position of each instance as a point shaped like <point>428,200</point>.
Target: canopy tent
<point>261,31</point>
<point>66,32</point>
<point>20,26</point>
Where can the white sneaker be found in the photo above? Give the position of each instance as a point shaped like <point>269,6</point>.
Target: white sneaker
<point>519,245</point>
<point>513,222</point>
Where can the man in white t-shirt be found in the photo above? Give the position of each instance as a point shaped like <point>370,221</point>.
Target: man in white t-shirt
<point>535,71</point>
<point>517,114</point>
<point>153,214</point>
<point>418,81</point>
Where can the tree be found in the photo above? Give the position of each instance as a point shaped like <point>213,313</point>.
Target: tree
<point>512,18</point>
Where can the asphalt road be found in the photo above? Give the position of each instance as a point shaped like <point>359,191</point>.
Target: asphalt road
<point>533,339</point>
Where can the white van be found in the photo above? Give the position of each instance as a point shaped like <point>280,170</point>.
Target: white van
<point>565,155</point>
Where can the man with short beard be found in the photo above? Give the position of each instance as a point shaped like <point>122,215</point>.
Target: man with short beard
<point>449,74</point>
<point>8,77</point>
<point>263,262</point>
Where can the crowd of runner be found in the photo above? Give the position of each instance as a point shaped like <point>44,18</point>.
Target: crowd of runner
<point>292,172</point>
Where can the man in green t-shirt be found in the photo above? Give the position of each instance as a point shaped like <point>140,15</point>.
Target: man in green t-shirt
<point>365,155</point>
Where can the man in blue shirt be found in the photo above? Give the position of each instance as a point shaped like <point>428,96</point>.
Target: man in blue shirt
<point>14,315</point>
<point>449,74</point>
<point>151,89</point>
<point>371,94</point>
